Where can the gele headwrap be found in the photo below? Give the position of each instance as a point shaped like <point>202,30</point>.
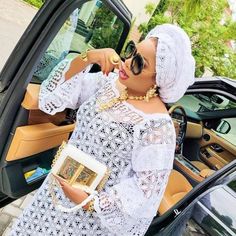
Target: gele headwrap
<point>175,65</point>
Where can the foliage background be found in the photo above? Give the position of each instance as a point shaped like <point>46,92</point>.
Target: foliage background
<point>107,28</point>
<point>202,20</point>
<point>36,3</point>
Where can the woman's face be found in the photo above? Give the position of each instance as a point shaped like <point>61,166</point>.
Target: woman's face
<point>141,83</point>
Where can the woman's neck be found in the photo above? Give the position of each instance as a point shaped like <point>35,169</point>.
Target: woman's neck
<point>135,93</point>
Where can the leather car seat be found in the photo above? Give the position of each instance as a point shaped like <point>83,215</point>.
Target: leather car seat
<point>177,187</point>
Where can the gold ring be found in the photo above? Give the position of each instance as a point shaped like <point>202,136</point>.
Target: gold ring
<point>115,59</point>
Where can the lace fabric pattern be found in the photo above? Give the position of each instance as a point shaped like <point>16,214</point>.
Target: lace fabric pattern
<point>138,149</point>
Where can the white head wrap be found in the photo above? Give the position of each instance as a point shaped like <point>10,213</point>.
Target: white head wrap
<point>175,65</point>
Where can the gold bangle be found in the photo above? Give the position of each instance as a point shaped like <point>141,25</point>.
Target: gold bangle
<point>84,55</point>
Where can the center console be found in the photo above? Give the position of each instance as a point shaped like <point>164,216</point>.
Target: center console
<point>187,168</point>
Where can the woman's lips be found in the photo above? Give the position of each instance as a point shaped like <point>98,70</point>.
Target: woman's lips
<point>123,74</point>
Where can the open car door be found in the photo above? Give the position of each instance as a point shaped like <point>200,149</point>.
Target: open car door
<point>210,141</point>
<point>29,137</point>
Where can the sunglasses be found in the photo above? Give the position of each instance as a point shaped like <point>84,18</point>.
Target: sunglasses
<point>137,62</point>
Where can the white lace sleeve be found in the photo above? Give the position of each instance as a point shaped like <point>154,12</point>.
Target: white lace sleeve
<point>129,207</point>
<point>56,94</point>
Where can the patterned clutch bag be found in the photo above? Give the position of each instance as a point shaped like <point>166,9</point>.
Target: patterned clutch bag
<point>80,170</point>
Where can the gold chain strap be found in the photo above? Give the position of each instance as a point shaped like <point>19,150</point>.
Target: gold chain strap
<point>103,181</point>
<point>58,153</point>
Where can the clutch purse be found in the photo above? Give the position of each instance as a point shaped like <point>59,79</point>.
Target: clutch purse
<point>79,170</point>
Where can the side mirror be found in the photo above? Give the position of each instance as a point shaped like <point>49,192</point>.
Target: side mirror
<point>224,127</point>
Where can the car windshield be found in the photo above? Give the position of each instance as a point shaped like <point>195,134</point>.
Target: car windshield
<point>205,102</point>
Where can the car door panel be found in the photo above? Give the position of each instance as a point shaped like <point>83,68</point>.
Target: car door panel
<point>36,116</point>
<point>33,139</point>
<point>216,151</point>
<point>40,117</point>
<point>30,101</point>
<point>39,134</point>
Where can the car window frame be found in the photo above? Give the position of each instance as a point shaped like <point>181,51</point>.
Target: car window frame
<point>15,78</point>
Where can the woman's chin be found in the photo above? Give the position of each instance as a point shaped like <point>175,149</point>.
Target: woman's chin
<point>124,82</point>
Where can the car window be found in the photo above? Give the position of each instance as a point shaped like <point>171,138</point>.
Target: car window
<point>91,26</point>
<point>205,102</point>
<point>232,185</point>
<point>208,216</point>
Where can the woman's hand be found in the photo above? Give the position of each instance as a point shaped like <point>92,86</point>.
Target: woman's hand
<point>103,57</point>
<point>74,194</point>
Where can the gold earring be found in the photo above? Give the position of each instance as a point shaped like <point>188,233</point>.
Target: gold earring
<point>151,93</point>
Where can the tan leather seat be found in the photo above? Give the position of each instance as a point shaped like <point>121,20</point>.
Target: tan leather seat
<point>200,165</point>
<point>177,187</point>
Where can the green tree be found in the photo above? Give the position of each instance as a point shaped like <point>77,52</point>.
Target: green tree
<point>107,28</point>
<point>36,3</point>
<point>202,20</point>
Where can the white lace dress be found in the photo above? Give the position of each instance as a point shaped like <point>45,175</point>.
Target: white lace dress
<point>138,149</point>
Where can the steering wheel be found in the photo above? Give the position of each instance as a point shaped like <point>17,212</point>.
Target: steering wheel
<point>179,118</point>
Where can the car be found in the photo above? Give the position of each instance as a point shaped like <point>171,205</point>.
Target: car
<point>200,198</point>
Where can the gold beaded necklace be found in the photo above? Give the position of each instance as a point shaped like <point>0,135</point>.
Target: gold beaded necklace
<point>124,97</point>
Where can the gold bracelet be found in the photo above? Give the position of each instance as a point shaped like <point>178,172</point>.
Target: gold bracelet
<point>84,55</point>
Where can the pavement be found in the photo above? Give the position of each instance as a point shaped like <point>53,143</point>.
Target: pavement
<point>9,213</point>
<point>15,15</point>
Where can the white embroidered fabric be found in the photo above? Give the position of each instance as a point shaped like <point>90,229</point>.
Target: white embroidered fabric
<point>138,149</point>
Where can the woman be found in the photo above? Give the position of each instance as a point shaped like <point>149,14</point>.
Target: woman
<point>123,123</point>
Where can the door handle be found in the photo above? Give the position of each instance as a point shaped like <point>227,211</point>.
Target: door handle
<point>217,148</point>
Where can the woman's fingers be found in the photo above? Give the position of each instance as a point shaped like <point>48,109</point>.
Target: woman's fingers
<point>109,65</point>
<point>103,63</point>
<point>76,195</point>
<point>61,181</point>
<point>105,58</point>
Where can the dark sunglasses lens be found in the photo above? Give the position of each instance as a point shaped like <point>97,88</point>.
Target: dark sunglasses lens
<point>129,50</point>
<point>137,64</point>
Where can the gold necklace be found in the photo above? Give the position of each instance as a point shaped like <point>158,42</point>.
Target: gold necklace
<point>124,97</point>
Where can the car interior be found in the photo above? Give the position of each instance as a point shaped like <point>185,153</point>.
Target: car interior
<point>203,144</point>
<point>202,153</point>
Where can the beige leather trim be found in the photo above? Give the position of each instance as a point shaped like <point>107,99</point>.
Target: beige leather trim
<point>200,165</point>
<point>213,162</point>
<point>186,170</point>
<point>193,130</point>
<point>217,159</point>
<point>177,187</point>
<point>40,117</point>
<point>231,149</point>
<point>30,101</point>
<point>206,173</point>
<point>33,139</point>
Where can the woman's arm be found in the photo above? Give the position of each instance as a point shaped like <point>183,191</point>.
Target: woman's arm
<point>69,84</point>
<point>97,56</point>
